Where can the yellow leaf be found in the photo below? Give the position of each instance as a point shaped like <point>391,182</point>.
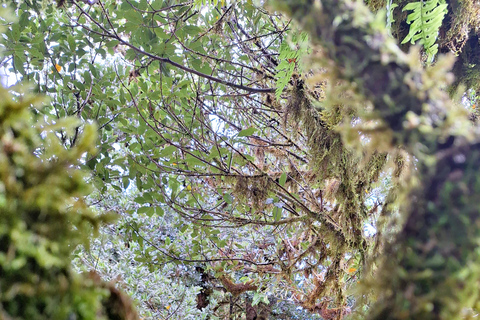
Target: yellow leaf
<point>174,164</point>
<point>189,188</point>
<point>58,67</point>
<point>352,270</point>
<point>168,307</point>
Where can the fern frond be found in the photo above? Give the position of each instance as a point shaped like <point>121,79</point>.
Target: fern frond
<point>289,57</point>
<point>425,21</point>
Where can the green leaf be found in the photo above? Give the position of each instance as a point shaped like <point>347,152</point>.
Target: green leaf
<point>133,16</point>
<point>125,182</point>
<point>425,22</point>
<point>194,161</point>
<point>159,211</point>
<point>221,243</point>
<point>140,200</point>
<point>228,198</point>
<point>247,132</point>
<point>18,64</point>
<point>283,179</point>
<point>277,214</point>
<point>71,43</point>
<point>167,151</point>
<point>142,210</point>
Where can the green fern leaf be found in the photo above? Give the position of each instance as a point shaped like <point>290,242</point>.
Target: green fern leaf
<point>289,56</point>
<point>425,21</point>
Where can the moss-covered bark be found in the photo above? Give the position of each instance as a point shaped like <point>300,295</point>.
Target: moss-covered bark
<point>363,54</point>
<point>458,34</point>
<point>430,270</point>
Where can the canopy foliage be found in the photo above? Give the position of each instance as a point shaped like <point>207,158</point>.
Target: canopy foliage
<point>279,161</point>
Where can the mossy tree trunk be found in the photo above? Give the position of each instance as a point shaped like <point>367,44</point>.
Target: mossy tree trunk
<point>431,269</point>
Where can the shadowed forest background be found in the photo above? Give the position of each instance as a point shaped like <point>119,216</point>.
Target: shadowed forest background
<point>309,159</point>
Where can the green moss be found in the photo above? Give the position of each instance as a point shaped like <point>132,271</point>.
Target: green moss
<point>467,66</point>
<point>432,274</point>
<point>427,269</point>
<point>375,5</point>
<point>43,218</point>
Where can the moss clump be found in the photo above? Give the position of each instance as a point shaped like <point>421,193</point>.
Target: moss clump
<point>43,218</point>
<point>375,5</point>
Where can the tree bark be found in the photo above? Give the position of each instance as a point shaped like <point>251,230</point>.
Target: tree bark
<point>429,271</point>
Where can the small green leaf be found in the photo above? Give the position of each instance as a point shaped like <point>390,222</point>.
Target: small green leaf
<point>246,132</point>
<point>167,151</point>
<point>159,211</point>
<point>149,211</point>
<point>283,179</point>
<point>133,16</point>
<point>140,200</point>
<point>228,198</point>
<point>125,182</point>
<point>277,214</point>
<point>18,64</point>
<point>71,43</point>
<point>221,243</point>
<point>257,298</point>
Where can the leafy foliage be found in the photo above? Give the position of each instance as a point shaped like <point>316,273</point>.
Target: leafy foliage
<point>240,198</point>
<point>199,3</point>
<point>290,55</point>
<point>425,22</point>
<point>120,254</point>
<point>43,216</point>
<point>264,188</point>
